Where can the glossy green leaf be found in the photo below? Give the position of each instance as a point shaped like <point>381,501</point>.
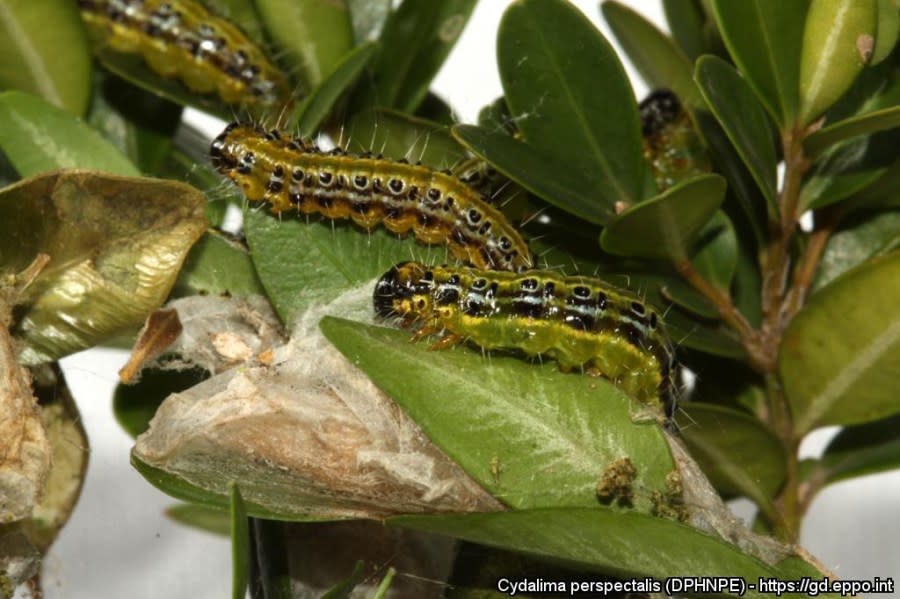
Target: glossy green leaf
<point>243,14</point>
<point>240,544</point>
<point>686,21</point>
<point>400,136</point>
<point>882,193</point>
<point>138,123</point>
<point>313,35</point>
<point>665,227</point>
<point>530,435</point>
<point>753,206</point>
<point>300,263</point>
<point>743,118</point>
<point>870,122</point>
<point>37,137</point>
<point>629,544</point>
<point>551,59</point>
<point>177,487</point>
<point>45,52</point>
<point>319,103</point>
<point>859,238</point>
<point>839,356</point>
<point>736,451</point>
<point>845,170</point>
<point>888,30</point>
<point>537,171</point>
<point>495,116</point>
<point>201,517</point>
<point>435,109</point>
<point>368,18</point>
<point>217,265</point>
<point>115,247</point>
<point>712,337</point>
<point>838,41</point>
<point>415,41</point>
<point>765,39</point>
<point>655,55</point>
<point>715,252</point>
<point>132,68</point>
<point>134,405</point>
<point>863,449</point>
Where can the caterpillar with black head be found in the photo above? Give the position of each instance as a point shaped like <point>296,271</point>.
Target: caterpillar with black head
<point>581,322</point>
<point>180,39</point>
<point>293,174</point>
<point>670,141</point>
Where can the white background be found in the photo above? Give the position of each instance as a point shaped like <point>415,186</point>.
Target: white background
<point>119,544</point>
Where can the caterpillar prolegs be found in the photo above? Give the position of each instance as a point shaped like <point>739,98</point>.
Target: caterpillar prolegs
<point>581,322</point>
<point>180,39</point>
<point>292,174</point>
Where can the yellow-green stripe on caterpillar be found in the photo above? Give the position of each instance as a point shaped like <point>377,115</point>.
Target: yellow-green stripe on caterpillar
<point>581,322</point>
<point>180,39</point>
<point>292,174</point>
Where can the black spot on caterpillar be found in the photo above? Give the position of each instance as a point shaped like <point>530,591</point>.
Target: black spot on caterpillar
<point>292,174</point>
<point>581,322</point>
<point>180,39</point>
<point>670,142</point>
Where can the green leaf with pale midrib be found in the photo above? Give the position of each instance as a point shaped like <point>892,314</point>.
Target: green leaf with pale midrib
<point>45,52</point>
<point>621,544</point>
<point>550,58</point>
<point>529,434</point>
<point>840,355</point>
<point>661,63</point>
<point>665,226</point>
<point>870,122</point>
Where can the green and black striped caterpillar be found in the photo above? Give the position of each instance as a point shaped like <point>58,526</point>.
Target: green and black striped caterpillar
<point>581,322</point>
<point>293,174</point>
<point>180,39</point>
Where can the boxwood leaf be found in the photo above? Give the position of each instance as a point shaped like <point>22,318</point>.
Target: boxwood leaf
<point>686,21</point>
<point>530,435</point>
<point>839,355</point>
<point>664,227</point>
<point>716,251</point>
<point>217,265</point>
<point>201,517</point>
<point>863,449</point>
<point>869,122</point>
<point>116,244</point>
<point>743,118</point>
<point>401,136</point>
<point>415,41</point>
<point>299,263</point>
<point>36,136</point>
<point>319,103</point>
<point>629,544</point>
<point>838,41</point>
<point>858,238</point>
<point>537,171</point>
<point>45,52</point>
<point>736,451</point>
<point>661,63</point>
<point>765,39</point>
<point>313,35</point>
<point>551,58</point>
<point>888,28</point>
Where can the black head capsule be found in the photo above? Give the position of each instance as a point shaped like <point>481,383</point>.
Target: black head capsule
<point>659,109</point>
<point>390,287</point>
